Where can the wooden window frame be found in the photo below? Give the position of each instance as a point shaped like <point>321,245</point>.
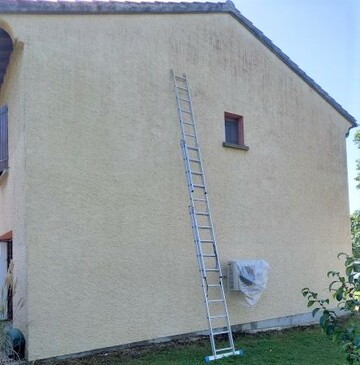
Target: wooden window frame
<point>10,313</point>
<point>240,122</point>
<point>8,239</point>
<point>4,139</point>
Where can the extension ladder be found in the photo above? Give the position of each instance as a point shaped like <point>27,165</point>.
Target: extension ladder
<point>202,227</point>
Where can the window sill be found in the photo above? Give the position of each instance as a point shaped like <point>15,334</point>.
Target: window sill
<point>237,146</point>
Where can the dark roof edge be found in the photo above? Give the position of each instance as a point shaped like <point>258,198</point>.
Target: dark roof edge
<point>78,7</point>
<point>110,7</point>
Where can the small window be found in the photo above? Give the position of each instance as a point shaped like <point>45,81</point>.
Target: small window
<point>234,131</point>
<point>4,151</point>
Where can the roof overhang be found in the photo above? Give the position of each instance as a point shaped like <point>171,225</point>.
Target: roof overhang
<point>111,7</point>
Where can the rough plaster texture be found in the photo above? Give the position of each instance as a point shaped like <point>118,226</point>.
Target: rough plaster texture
<point>110,256</point>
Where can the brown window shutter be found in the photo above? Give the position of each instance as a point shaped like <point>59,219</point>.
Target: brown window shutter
<point>4,151</point>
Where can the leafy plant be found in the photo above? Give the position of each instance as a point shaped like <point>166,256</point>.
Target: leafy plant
<point>357,143</point>
<point>355,232</point>
<point>345,290</point>
<point>7,351</point>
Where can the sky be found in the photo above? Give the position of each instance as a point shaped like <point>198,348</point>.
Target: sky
<point>323,38</point>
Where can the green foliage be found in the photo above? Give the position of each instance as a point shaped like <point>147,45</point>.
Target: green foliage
<point>345,290</point>
<point>355,232</point>
<point>7,353</point>
<point>357,142</point>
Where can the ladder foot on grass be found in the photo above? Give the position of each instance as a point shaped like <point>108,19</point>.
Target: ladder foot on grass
<point>221,356</point>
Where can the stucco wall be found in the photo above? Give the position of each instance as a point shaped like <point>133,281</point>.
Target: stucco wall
<point>12,185</point>
<point>111,256</point>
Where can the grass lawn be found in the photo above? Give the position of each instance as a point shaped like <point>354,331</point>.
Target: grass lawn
<point>307,346</point>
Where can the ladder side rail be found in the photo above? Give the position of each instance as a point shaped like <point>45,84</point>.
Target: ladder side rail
<point>201,262</point>
<point>198,243</point>
<point>183,133</point>
<point>230,336</point>
<point>196,231</point>
<point>207,200</point>
<point>195,242</point>
<point>228,324</point>
<point>202,170</point>
<point>213,236</point>
<point>202,265</point>
<point>205,289</point>
<point>198,248</point>
<point>194,224</point>
<point>195,132</point>
<point>212,339</point>
<point>179,107</point>
<point>202,278</point>
<point>187,166</point>
<point>193,118</point>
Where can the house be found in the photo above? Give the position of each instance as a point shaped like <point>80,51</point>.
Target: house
<point>93,198</point>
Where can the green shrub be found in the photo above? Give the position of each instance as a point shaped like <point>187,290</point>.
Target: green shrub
<point>345,290</point>
<point>7,352</point>
<point>355,232</point>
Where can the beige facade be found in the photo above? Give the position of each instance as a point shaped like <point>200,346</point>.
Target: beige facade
<point>96,194</point>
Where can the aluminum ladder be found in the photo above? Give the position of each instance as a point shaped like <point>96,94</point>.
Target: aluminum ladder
<point>202,228</point>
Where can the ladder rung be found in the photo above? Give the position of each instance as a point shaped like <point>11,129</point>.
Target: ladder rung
<point>194,160</point>
<point>224,349</point>
<point>216,317</point>
<point>204,227</point>
<point>206,255</point>
<point>189,135</point>
<point>196,173</point>
<point>213,285</point>
<point>220,333</point>
<point>187,123</point>
<point>199,186</point>
<point>188,101</point>
<point>193,148</point>
<point>215,300</point>
<point>202,213</point>
<point>211,270</point>
<point>185,111</point>
<point>182,88</point>
<point>207,241</point>
<point>199,200</point>
<point>180,77</point>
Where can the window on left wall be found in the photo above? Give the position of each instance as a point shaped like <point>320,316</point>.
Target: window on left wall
<point>4,147</point>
